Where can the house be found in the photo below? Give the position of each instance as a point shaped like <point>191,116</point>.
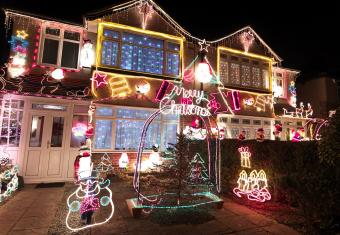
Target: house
<point>118,59</point>
<point>327,97</point>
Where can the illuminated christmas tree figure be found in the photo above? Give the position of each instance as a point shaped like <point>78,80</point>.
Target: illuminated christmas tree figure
<point>105,164</point>
<point>198,171</point>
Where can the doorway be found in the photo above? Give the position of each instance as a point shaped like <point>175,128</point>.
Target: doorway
<point>45,146</point>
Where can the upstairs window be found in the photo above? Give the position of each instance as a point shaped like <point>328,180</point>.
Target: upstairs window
<point>238,71</point>
<point>60,48</point>
<point>140,53</point>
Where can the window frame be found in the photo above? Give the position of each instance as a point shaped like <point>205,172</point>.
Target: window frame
<point>114,118</point>
<point>276,79</point>
<point>229,56</point>
<point>61,40</point>
<point>17,111</point>
<point>166,38</point>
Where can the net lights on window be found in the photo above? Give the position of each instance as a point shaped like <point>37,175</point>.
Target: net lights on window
<point>153,51</point>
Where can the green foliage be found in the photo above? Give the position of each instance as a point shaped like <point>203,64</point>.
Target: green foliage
<point>176,166</point>
<point>329,147</point>
<point>296,175</point>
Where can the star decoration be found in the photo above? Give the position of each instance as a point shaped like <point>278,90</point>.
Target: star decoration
<point>204,45</point>
<point>247,39</point>
<point>99,79</point>
<point>22,34</point>
<point>146,10</point>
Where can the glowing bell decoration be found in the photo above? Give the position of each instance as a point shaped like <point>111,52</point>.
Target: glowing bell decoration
<point>58,74</point>
<point>203,72</point>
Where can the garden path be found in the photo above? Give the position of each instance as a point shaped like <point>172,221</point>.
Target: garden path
<point>43,210</point>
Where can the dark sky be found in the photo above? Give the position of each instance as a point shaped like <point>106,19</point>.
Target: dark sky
<point>305,35</point>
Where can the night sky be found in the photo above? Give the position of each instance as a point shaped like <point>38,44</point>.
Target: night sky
<point>307,36</point>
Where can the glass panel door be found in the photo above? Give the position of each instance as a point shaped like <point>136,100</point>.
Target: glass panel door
<point>36,131</point>
<point>57,132</point>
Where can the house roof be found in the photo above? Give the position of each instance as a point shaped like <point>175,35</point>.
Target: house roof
<point>121,6</point>
<point>247,28</point>
<point>39,17</point>
<point>133,3</point>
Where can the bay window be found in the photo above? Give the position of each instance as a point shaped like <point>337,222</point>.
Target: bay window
<point>60,47</point>
<point>121,128</point>
<point>139,52</point>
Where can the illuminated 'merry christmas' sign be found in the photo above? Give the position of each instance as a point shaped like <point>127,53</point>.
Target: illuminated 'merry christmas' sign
<point>190,102</point>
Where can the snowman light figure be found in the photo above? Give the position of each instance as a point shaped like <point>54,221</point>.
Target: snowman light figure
<point>91,195</point>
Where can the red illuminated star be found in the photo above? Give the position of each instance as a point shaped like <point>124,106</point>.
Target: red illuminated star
<point>99,78</point>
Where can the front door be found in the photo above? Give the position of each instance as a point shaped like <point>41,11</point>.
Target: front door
<point>44,154</point>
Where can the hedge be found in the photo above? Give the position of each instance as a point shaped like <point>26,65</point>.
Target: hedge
<point>295,174</point>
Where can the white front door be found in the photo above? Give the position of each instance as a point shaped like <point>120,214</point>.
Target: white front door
<point>44,153</point>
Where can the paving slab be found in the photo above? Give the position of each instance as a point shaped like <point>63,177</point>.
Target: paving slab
<point>30,211</point>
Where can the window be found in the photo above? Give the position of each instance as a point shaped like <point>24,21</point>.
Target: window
<point>60,48</point>
<point>257,122</point>
<point>267,134</point>
<point>247,130</point>
<point>11,114</point>
<point>278,86</point>
<point>224,71</point>
<point>266,123</point>
<point>223,119</point>
<point>234,73</point>
<point>127,124</point>
<point>256,77</point>
<point>141,53</point>
<point>243,71</point>
<point>246,80</point>
<point>234,120</point>
<point>49,107</point>
<point>246,121</point>
<point>235,133</point>
<point>265,77</point>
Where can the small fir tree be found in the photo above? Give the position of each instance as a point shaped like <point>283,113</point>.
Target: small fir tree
<point>176,166</point>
